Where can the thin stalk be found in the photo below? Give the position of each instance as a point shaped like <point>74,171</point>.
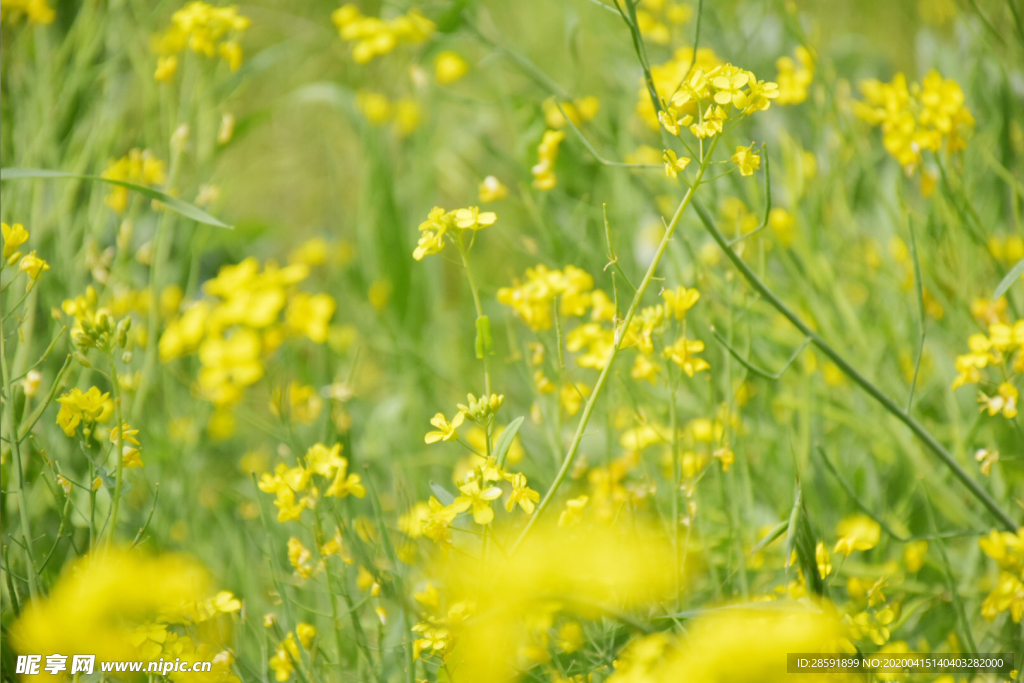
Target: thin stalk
<point>620,334</point>
<point>12,431</point>
<point>119,454</point>
<point>479,314</point>
<point>902,415</point>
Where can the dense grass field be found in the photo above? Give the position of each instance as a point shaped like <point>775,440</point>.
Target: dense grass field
<point>636,341</point>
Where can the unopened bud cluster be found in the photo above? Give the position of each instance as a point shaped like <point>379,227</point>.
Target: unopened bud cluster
<point>481,410</point>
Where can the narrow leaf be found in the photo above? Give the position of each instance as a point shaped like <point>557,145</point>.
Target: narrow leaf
<point>501,448</point>
<point>1010,278</point>
<point>184,208</point>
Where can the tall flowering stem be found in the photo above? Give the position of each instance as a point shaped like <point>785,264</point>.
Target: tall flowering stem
<point>620,334</point>
<point>901,414</point>
<point>15,441</point>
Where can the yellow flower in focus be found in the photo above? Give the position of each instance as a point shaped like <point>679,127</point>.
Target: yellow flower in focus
<point>522,495</point>
<point>858,532</point>
<point>471,218</point>
<point>478,498</point>
<point>746,160</point>
<point>446,431</point>
<point>449,67</point>
<point>14,236</point>
<point>674,164</point>
<point>77,407</point>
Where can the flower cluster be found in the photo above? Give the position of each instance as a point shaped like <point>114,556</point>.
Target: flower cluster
<point>14,236</point>
<point>121,604</point>
<point>36,11</point>
<point>374,37</point>
<point>532,298</point>
<point>705,100</point>
<point>918,117</point>
<point>403,114</point>
<point>203,29</point>
<point>795,76</point>
<point>84,408</point>
<point>657,18</point>
<point>1003,349</point>
<point>141,167</point>
<point>248,314</point>
<point>451,224</point>
<point>1007,549</point>
<point>668,77</point>
<point>547,154</point>
<point>295,488</point>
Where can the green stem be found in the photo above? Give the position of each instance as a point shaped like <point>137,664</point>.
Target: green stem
<point>620,334</point>
<point>12,432</point>
<point>115,504</point>
<point>479,314</point>
<point>902,415</point>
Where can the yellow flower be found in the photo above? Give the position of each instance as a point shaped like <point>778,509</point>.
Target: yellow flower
<point>449,67</point>
<point>36,11</point>
<point>491,190</point>
<point>729,86</point>
<point>573,512</point>
<point>14,236</point>
<point>682,354</point>
<point>823,559</point>
<point>680,300</point>
<point>674,164</point>
<point>306,633</point>
<point>914,555</point>
<point>471,218</point>
<point>1004,401</point>
<point>858,532</point>
<point>522,495</point>
<point>547,153</point>
<point>205,30</point>
<point>373,37</point>
<point>131,455</point>
<point>166,67</point>
<point>33,266</point>
<point>77,406</point>
<point>445,430</point>
<point>746,160</point>
<point>479,499</point>
<point>101,599</point>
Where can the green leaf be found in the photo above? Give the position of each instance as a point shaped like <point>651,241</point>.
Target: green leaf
<point>777,531</point>
<point>442,494</point>
<point>1010,278</point>
<point>801,539</point>
<point>505,440</point>
<point>184,208</point>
